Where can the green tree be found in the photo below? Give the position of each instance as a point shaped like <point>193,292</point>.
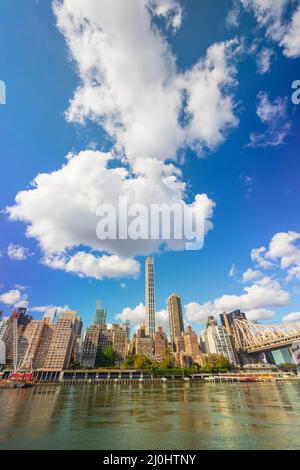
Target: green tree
<point>75,365</point>
<point>287,367</point>
<point>129,362</point>
<point>167,360</point>
<point>142,362</point>
<point>216,363</point>
<point>106,357</point>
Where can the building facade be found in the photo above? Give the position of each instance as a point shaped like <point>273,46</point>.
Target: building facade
<point>150,298</point>
<point>90,346</point>
<point>142,344</point>
<point>38,336</point>
<point>98,337</point>
<point>217,341</point>
<point>160,343</point>
<point>63,342</point>
<point>2,353</point>
<point>23,320</point>
<point>191,344</point>
<point>175,322</point>
<point>281,356</point>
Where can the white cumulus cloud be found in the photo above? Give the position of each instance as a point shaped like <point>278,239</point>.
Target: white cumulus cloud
<point>292,317</point>
<point>49,311</point>
<point>129,82</point>
<point>60,212</point>
<point>280,20</point>
<point>88,265</point>
<point>14,298</point>
<point>137,316</point>
<point>274,115</point>
<point>256,301</point>
<point>284,249</point>
<point>17,252</point>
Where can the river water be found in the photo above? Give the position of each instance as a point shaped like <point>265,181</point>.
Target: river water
<point>151,417</point>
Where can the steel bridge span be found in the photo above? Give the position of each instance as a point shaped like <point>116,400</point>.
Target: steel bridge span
<point>252,338</point>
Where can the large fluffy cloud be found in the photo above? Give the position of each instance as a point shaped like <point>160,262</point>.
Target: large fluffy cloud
<point>129,82</point>
<point>60,212</point>
<point>130,85</point>
<point>256,302</point>
<point>283,249</point>
<point>87,265</point>
<point>137,316</point>
<point>14,298</point>
<point>292,317</point>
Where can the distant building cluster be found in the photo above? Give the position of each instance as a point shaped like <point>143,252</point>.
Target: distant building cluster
<point>58,343</point>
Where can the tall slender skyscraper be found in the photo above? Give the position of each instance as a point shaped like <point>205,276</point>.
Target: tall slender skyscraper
<point>175,320</point>
<point>150,303</point>
<point>100,315</point>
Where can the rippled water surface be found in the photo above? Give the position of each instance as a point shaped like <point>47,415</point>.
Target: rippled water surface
<point>167,416</point>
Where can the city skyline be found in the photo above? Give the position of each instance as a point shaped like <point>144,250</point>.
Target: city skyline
<point>242,164</point>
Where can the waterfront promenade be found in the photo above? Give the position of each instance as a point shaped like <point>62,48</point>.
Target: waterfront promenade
<point>103,376</point>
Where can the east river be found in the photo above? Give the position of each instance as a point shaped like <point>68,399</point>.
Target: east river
<point>150,417</point>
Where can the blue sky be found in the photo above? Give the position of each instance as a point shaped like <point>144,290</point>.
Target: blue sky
<point>252,181</point>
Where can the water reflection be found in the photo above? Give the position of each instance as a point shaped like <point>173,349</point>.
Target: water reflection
<point>169,416</point>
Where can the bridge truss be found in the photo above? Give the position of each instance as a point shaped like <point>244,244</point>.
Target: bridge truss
<point>252,338</point>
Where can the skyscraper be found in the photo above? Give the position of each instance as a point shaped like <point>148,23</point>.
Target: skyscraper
<point>2,353</point>
<point>38,335</point>
<point>150,303</point>
<point>63,342</point>
<point>23,320</point>
<point>100,315</point>
<point>175,320</point>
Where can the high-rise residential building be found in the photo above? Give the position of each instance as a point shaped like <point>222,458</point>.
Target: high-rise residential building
<point>38,335</point>
<point>63,342</point>
<point>44,346</point>
<point>227,319</point>
<point>3,326</point>
<point>2,352</point>
<point>175,322</point>
<point>160,343</point>
<point>150,296</point>
<point>217,341</point>
<point>98,337</point>
<point>100,315</point>
<point>120,341</point>
<point>191,344</point>
<point>90,346</point>
<point>23,320</point>
<point>141,343</point>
